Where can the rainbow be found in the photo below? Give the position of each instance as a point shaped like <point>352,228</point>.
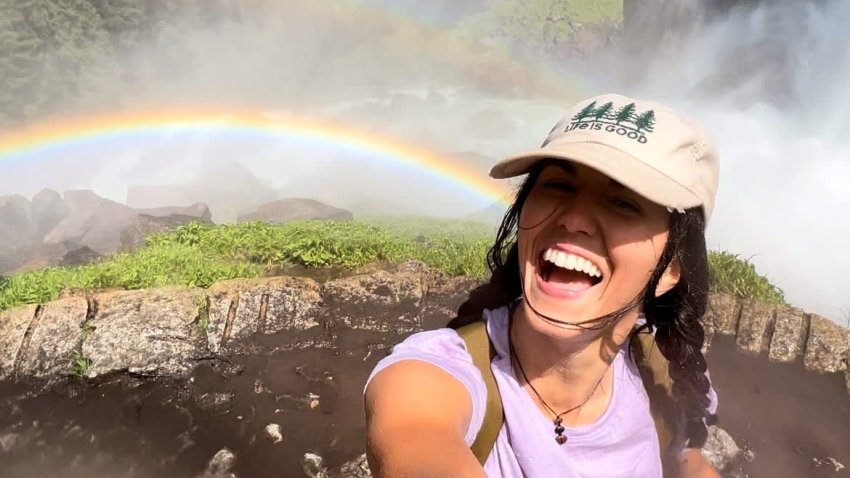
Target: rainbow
<point>47,140</point>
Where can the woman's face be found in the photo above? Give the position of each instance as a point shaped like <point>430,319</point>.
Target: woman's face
<point>587,245</point>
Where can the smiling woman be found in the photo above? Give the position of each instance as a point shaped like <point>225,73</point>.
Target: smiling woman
<point>600,259</point>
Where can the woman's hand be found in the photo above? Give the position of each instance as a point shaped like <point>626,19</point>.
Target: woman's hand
<point>417,416</point>
<point>693,465</point>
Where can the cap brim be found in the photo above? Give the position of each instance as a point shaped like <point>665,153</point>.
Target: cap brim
<point>612,162</point>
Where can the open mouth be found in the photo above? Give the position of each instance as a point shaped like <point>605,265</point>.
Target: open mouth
<point>566,271</point>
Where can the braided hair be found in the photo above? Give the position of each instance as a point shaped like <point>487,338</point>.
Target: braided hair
<point>674,315</point>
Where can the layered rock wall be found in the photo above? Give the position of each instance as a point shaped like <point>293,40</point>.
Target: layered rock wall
<point>167,331</point>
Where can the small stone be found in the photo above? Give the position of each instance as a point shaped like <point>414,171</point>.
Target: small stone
<point>356,468</point>
<point>258,386</point>
<point>314,466</point>
<point>8,441</point>
<point>314,401</point>
<point>561,439</point>
<point>720,449</point>
<point>216,402</point>
<point>273,431</point>
<point>828,461</point>
<point>559,429</point>
<point>221,465</point>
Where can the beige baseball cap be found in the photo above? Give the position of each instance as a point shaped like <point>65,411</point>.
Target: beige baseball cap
<point>667,158</point>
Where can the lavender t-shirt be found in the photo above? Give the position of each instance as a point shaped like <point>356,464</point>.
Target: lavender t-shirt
<point>621,443</point>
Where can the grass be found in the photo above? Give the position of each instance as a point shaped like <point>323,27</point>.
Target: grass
<point>203,305</point>
<point>80,365</point>
<point>200,254</point>
<point>734,275</point>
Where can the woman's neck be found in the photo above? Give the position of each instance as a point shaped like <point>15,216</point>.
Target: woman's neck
<point>566,369</point>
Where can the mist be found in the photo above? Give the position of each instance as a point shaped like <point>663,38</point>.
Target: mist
<point>766,79</point>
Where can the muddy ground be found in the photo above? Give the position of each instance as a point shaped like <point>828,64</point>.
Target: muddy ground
<point>142,427</point>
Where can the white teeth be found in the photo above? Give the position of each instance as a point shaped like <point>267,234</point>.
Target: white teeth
<point>582,264</point>
<point>569,261</point>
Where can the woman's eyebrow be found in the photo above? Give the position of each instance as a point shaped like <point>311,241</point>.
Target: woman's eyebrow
<point>565,167</point>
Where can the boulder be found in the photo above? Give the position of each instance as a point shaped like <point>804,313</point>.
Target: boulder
<point>79,256</point>
<point>314,467</point>
<point>18,235</point>
<point>48,210</point>
<point>380,302</point>
<point>828,346</point>
<point>789,334</point>
<point>228,188</point>
<point>56,335</point>
<point>14,324</point>
<point>723,313</point>
<point>721,451</point>
<point>150,332</point>
<point>133,237</point>
<point>754,326</point>
<point>240,308</point>
<point>443,297</point>
<point>92,221</point>
<point>220,465</point>
<point>98,222</point>
<point>295,209</point>
<point>356,468</point>
<point>64,253</point>
<point>198,211</point>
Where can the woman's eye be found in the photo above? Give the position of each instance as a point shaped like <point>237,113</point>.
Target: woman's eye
<point>625,204</point>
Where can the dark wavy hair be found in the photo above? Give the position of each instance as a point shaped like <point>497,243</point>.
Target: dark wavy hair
<point>675,316</point>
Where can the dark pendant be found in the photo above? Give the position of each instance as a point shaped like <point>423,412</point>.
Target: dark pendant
<point>559,432</point>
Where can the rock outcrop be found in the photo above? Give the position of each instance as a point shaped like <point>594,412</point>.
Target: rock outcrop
<point>78,229</point>
<point>165,331</point>
<point>133,237</point>
<point>294,209</point>
<point>98,222</point>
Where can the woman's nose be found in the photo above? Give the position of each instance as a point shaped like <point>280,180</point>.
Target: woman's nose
<point>579,215</point>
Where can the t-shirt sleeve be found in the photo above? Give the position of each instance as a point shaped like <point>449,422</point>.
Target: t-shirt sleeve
<point>445,349</point>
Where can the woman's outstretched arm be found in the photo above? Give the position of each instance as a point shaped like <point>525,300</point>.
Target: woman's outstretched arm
<point>693,465</point>
<point>417,416</point>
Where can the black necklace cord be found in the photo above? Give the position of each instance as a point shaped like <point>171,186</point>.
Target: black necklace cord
<point>558,421</point>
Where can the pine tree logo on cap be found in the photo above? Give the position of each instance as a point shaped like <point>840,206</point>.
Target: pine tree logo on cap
<point>625,121</point>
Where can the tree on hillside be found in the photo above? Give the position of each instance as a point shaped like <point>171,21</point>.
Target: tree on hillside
<point>539,24</point>
<point>124,20</point>
<point>21,59</point>
<point>60,49</point>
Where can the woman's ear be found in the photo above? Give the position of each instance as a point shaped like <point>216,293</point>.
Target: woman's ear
<point>669,279</point>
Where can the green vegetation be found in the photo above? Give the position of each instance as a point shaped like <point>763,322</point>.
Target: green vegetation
<point>200,254</point>
<point>733,275</point>
<point>203,305</point>
<point>83,55</point>
<point>80,365</point>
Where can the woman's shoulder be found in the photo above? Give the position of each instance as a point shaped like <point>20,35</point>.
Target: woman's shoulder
<point>445,349</point>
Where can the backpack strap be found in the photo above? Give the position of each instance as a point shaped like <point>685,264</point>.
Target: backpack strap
<point>655,371</point>
<point>482,351</point>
